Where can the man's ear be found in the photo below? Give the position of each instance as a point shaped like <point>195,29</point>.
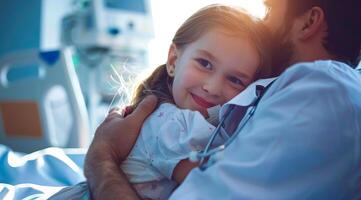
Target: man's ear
<point>172,58</point>
<point>313,21</point>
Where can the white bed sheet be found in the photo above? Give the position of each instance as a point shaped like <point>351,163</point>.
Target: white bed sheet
<point>40,174</point>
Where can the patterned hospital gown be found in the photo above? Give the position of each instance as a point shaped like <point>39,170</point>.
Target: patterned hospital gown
<point>167,137</point>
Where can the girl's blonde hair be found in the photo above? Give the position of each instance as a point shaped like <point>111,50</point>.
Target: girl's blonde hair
<point>233,21</point>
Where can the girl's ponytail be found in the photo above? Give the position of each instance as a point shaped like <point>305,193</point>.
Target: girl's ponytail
<point>159,83</point>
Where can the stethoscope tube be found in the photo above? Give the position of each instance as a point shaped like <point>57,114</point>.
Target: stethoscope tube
<point>204,156</point>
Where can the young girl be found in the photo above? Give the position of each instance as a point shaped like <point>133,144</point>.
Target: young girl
<point>214,55</point>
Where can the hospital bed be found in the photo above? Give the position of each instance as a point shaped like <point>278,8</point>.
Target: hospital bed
<point>41,103</point>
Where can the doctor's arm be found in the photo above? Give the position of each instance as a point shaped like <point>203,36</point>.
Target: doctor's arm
<point>112,142</point>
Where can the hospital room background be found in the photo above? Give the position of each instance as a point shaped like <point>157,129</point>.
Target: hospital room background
<point>63,64</point>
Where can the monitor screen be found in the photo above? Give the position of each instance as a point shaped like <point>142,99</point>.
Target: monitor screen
<point>133,5</point>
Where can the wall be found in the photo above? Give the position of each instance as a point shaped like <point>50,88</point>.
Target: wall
<point>19,25</point>
<point>31,24</point>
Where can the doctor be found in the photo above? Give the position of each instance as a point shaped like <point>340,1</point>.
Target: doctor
<point>304,140</point>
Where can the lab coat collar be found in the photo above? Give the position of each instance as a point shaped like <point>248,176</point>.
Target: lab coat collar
<point>247,96</point>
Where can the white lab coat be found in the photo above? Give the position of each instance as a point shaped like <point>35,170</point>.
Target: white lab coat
<point>303,142</point>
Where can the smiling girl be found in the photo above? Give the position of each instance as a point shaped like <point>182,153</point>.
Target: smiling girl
<point>214,55</point>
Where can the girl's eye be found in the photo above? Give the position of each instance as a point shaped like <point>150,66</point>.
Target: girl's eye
<point>204,63</point>
<point>236,81</point>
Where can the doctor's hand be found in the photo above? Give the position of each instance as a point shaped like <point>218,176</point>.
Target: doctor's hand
<point>112,142</point>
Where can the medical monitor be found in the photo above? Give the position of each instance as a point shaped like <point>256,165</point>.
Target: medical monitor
<point>114,24</point>
<point>133,6</point>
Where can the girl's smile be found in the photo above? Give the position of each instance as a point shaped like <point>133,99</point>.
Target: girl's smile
<point>202,102</point>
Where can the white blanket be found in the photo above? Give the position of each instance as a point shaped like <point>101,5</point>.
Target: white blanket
<point>40,174</point>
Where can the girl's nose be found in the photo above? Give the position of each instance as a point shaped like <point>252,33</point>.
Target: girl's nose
<point>213,85</point>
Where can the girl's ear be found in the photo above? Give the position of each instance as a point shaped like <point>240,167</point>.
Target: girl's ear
<point>172,58</point>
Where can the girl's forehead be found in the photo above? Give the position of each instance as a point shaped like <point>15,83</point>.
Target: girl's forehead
<point>225,49</point>
<point>221,37</point>
<point>269,3</point>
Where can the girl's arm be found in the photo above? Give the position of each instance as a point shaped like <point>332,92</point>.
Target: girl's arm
<point>182,169</point>
<point>176,133</point>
